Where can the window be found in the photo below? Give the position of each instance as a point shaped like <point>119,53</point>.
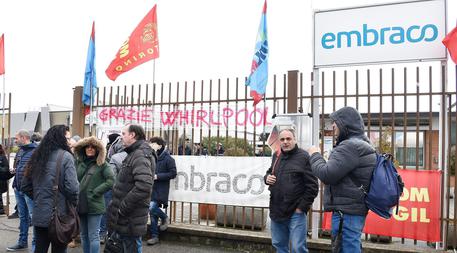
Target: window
<point>408,154</point>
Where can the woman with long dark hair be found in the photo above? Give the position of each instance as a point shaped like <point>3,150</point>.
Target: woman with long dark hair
<point>39,181</point>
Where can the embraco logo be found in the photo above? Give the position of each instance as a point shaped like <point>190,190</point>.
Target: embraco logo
<point>222,182</point>
<point>385,35</point>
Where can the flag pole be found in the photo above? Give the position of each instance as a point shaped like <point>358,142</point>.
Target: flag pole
<point>3,90</point>
<point>3,110</point>
<point>264,121</point>
<point>152,91</point>
<point>90,108</point>
<point>154,72</point>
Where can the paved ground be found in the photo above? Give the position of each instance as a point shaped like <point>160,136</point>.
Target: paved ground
<point>9,234</point>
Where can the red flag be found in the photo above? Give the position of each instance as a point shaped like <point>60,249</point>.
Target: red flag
<point>450,41</point>
<point>2,54</point>
<point>141,46</point>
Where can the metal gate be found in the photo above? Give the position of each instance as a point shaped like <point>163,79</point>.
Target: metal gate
<point>408,111</point>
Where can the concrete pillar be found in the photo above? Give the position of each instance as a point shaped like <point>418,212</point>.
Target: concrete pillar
<point>77,124</point>
<point>292,91</point>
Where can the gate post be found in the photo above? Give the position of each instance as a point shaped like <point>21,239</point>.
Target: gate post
<point>77,124</point>
<point>292,87</point>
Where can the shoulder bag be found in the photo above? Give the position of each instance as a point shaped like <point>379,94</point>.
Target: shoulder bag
<point>114,244</point>
<point>62,227</point>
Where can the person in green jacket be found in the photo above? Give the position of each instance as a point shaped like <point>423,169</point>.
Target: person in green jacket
<point>95,178</point>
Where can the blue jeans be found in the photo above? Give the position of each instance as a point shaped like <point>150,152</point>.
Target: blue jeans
<point>131,243</point>
<point>103,229</point>
<point>352,231</point>
<point>155,213</point>
<point>294,229</point>
<point>90,227</point>
<point>25,211</point>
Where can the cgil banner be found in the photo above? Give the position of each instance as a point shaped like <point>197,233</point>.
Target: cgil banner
<point>418,213</point>
<point>234,181</point>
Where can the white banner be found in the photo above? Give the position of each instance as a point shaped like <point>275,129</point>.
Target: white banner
<point>408,31</point>
<point>221,180</point>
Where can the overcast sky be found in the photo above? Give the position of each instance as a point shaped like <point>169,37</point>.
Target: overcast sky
<point>46,41</point>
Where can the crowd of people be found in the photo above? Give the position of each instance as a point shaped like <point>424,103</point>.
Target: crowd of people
<point>115,188</point>
<point>118,187</point>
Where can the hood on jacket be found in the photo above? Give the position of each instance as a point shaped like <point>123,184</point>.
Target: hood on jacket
<point>80,149</point>
<point>163,154</point>
<point>350,124</point>
<point>116,147</point>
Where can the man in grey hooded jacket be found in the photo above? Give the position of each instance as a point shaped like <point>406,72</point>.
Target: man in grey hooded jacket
<point>346,174</point>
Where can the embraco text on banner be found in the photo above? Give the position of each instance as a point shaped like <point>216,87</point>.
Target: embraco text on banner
<point>418,213</point>
<point>197,117</point>
<point>221,180</point>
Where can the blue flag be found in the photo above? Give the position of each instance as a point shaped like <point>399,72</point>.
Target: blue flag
<point>90,78</point>
<point>258,78</point>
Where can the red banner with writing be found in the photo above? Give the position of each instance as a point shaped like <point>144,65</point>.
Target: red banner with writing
<point>141,46</point>
<point>418,213</point>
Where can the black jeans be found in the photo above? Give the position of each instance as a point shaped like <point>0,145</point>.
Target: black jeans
<point>43,241</point>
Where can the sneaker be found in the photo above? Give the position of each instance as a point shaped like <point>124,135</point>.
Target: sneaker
<point>16,247</point>
<point>164,224</point>
<point>14,215</point>
<point>152,241</point>
<point>102,239</point>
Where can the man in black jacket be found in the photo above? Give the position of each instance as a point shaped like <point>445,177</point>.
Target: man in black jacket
<point>292,191</point>
<point>346,174</point>
<point>24,202</point>
<point>128,213</point>
<point>165,171</point>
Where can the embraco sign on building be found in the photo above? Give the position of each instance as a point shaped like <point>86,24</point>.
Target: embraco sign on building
<point>408,31</point>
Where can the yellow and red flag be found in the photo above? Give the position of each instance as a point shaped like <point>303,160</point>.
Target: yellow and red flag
<point>140,47</point>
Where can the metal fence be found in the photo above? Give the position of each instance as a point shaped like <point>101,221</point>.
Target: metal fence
<point>408,111</point>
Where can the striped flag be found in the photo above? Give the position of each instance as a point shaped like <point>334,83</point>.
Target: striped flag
<point>258,78</point>
<point>90,77</point>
